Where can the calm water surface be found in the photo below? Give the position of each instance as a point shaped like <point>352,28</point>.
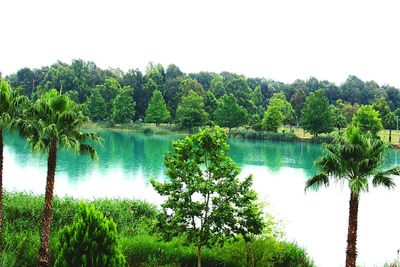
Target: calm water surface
<point>315,220</point>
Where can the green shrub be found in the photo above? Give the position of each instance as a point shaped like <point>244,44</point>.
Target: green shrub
<point>253,134</point>
<point>90,241</point>
<point>321,139</point>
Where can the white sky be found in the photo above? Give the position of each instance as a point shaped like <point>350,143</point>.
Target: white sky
<point>282,39</point>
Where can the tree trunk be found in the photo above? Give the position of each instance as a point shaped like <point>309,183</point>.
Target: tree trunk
<point>351,251</point>
<point>390,135</point>
<point>1,188</point>
<point>198,255</point>
<point>48,206</point>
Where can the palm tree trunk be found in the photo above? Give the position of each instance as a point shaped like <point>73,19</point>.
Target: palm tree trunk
<point>390,135</point>
<point>48,206</point>
<point>199,255</point>
<point>351,251</point>
<point>1,188</point>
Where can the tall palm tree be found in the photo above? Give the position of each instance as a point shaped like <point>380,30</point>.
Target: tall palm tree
<point>354,158</point>
<point>54,121</point>
<point>9,103</point>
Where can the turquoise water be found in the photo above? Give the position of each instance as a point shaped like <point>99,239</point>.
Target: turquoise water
<point>316,220</point>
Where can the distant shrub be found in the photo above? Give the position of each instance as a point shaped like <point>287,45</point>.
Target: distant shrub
<point>147,131</point>
<point>90,241</point>
<point>321,139</point>
<point>253,134</point>
<point>265,251</point>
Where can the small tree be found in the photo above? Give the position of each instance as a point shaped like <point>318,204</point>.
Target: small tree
<point>278,111</point>
<point>123,106</point>
<point>157,111</point>
<point>367,119</point>
<point>90,241</point>
<point>191,111</point>
<point>205,199</point>
<point>273,118</point>
<point>229,113</point>
<point>317,115</point>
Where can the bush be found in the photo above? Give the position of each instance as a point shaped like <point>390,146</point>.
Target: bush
<point>321,139</point>
<point>253,134</point>
<point>90,241</point>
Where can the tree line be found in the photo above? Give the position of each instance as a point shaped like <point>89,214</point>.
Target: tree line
<point>205,98</point>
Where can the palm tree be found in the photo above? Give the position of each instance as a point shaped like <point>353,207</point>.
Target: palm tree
<point>54,120</point>
<point>354,158</point>
<point>9,103</point>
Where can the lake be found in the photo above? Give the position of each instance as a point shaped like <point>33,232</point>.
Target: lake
<point>315,220</point>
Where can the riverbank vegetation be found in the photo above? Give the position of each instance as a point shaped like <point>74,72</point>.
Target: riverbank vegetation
<point>139,239</point>
<point>168,95</point>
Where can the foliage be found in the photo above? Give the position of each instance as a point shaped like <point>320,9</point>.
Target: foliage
<point>229,113</point>
<point>190,112</point>
<point>317,115</point>
<point>123,106</point>
<point>135,221</point>
<point>90,241</point>
<point>273,118</point>
<point>368,120</point>
<point>278,111</point>
<point>253,134</point>
<point>157,111</point>
<point>205,199</point>
<point>298,101</point>
<point>80,79</point>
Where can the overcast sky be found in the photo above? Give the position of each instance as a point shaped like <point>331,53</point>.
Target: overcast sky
<point>281,40</point>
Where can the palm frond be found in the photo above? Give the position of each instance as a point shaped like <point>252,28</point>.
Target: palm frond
<point>317,181</point>
<point>385,178</point>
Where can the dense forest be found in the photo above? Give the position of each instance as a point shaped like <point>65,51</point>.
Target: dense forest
<point>194,99</point>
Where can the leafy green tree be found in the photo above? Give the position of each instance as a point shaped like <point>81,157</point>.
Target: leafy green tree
<point>317,115</point>
<point>229,113</point>
<point>279,110</point>
<point>298,101</point>
<point>10,103</point>
<point>353,158</point>
<point>172,72</point>
<point>90,241</point>
<point>187,84</point>
<point>123,106</point>
<point>217,86</point>
<point>273,118</point>
<point>108,90</point>
<point>243,93</point>
<point>211,104</point>
<point>96,106</point>
<point>205,198</point>
<point>390,122</point>
<point>54,121</point>
<point>367,119</point>
<point>157,111</point>
<point>348,110</point>
<point>190,112</point>
<point>382,106</point>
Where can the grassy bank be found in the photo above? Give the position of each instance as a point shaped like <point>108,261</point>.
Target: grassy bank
<point>138,235</point>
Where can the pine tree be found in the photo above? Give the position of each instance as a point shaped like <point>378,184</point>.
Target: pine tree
<point>90,241</point>
<point>157,111</point>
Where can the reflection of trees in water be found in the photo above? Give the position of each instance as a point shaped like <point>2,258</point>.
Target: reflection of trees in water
<point>275,155</point>
<point>133,152</point>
